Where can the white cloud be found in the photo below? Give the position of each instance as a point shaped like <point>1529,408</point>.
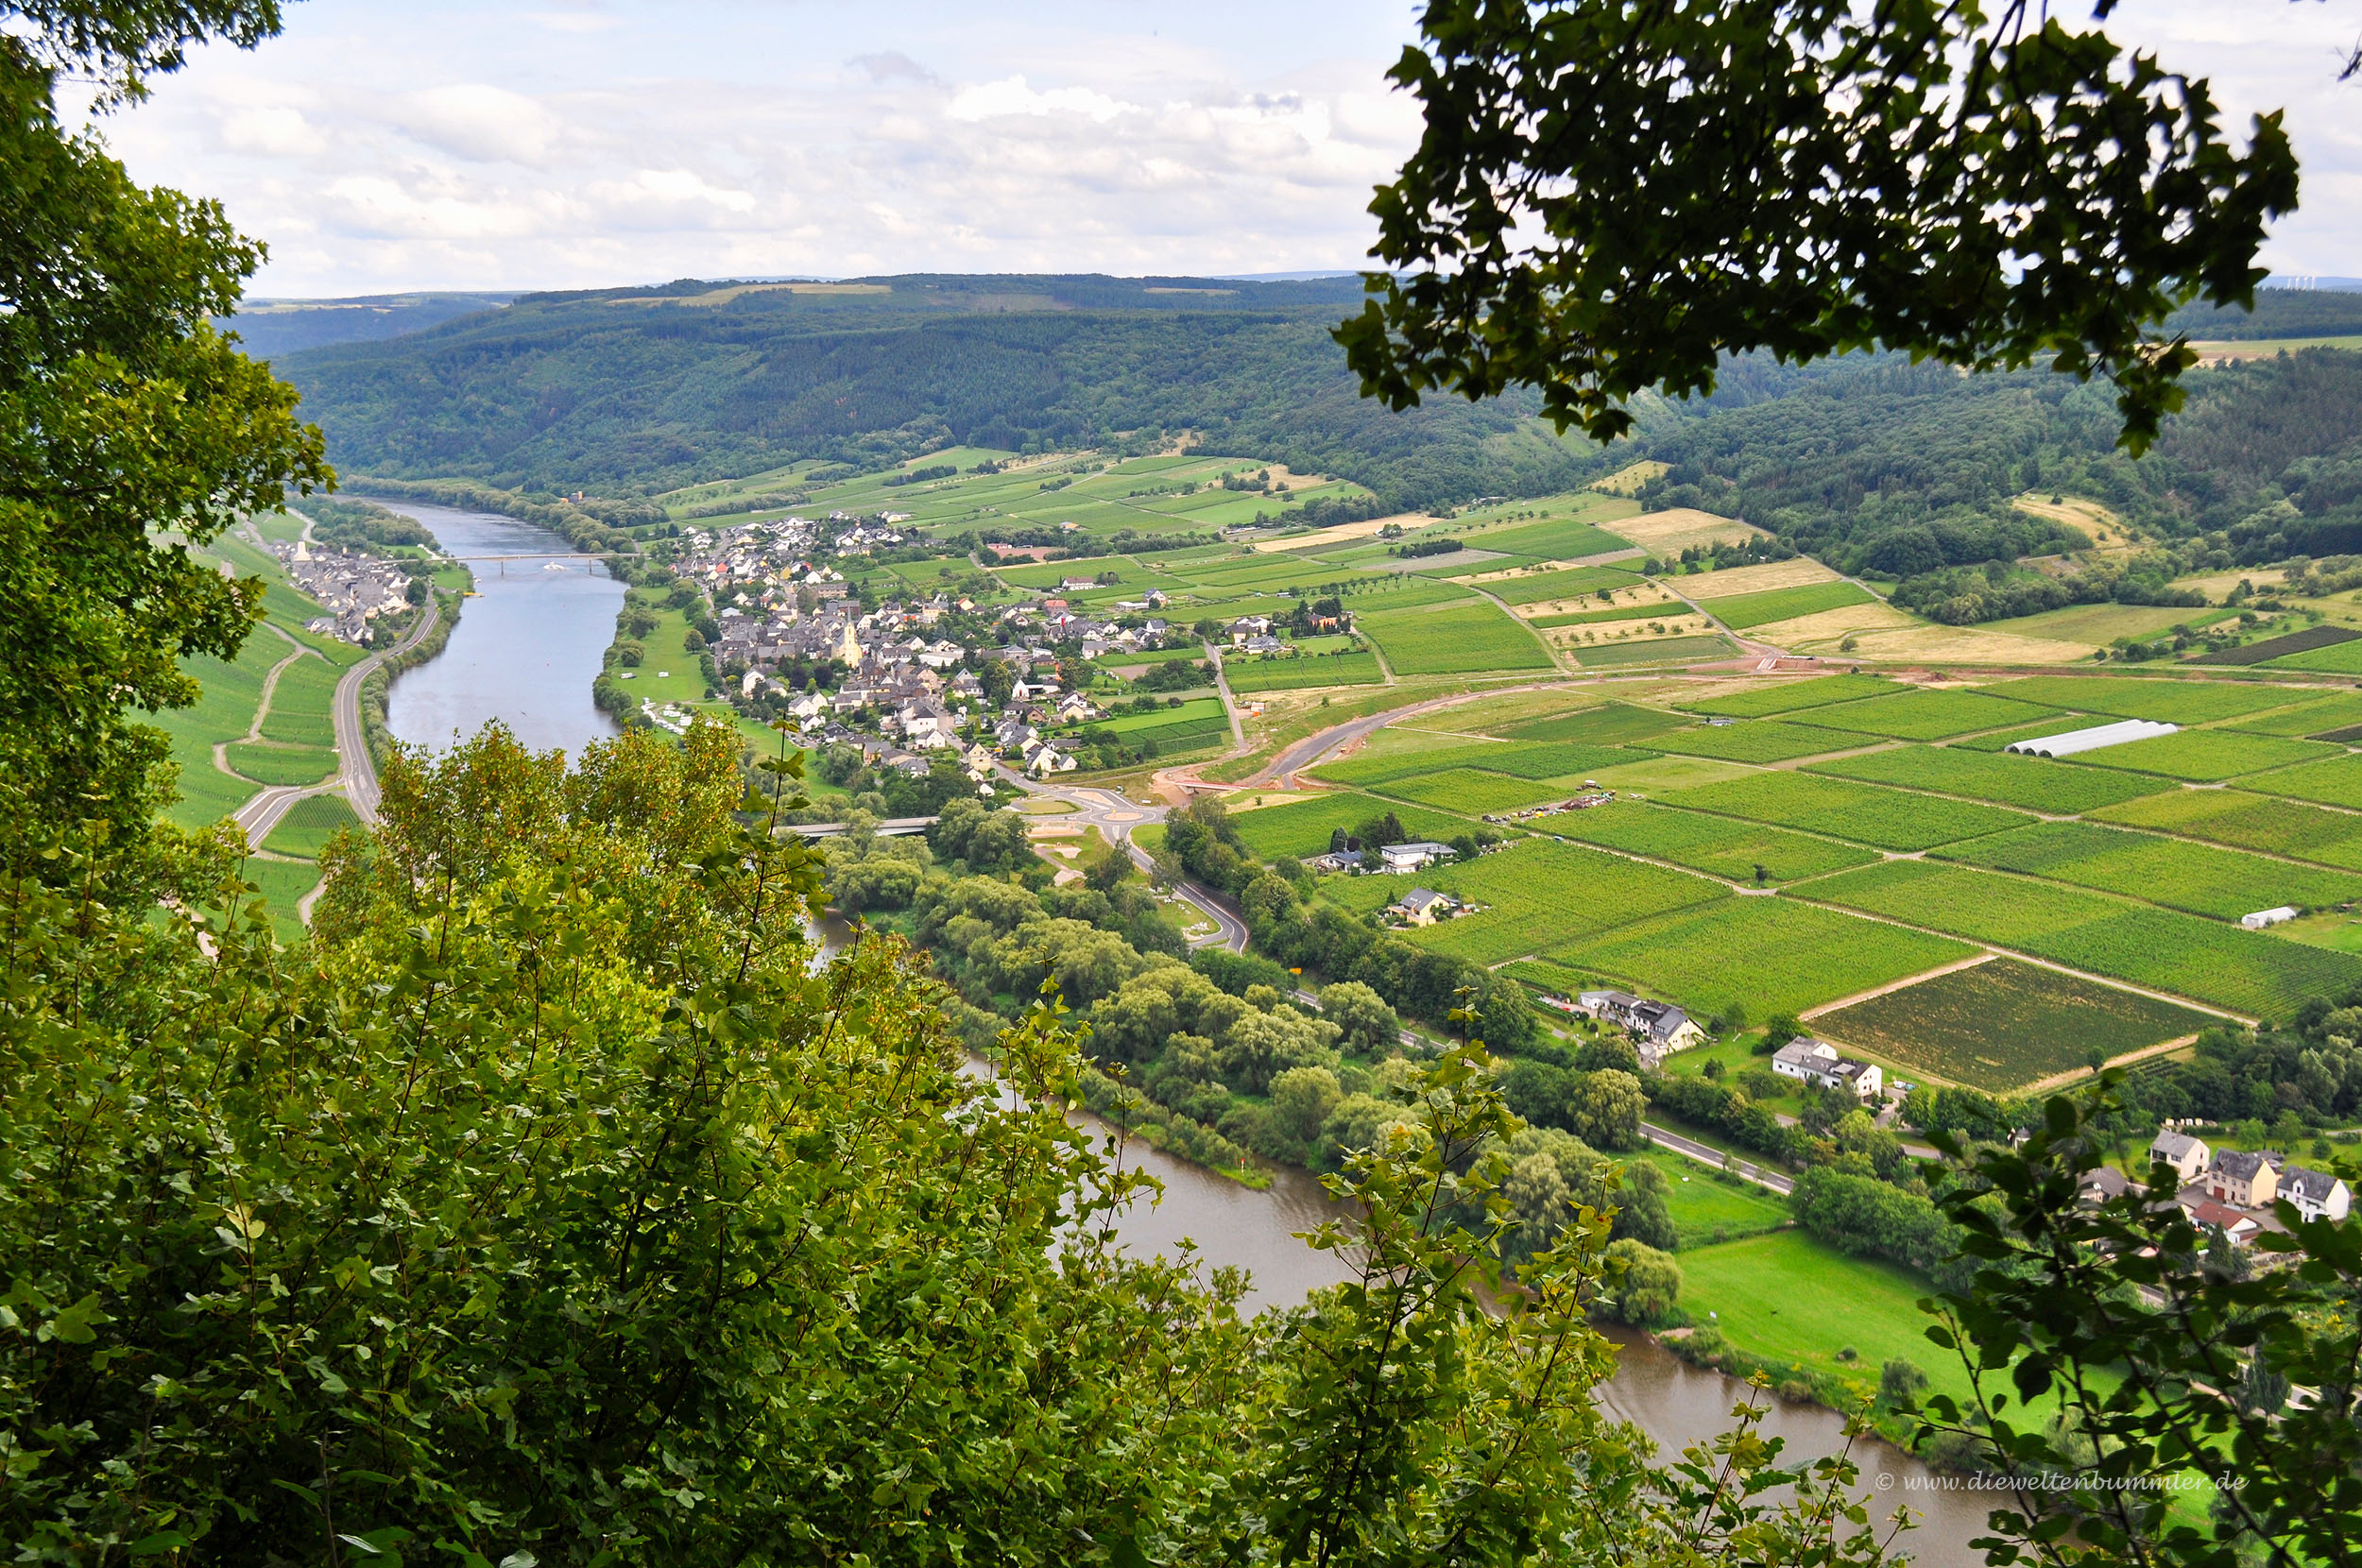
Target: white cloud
<point>461,143</point>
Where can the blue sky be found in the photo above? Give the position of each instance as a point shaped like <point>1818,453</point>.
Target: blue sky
<point>570,143</point>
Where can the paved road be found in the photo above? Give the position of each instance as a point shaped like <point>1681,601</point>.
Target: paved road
<point>1703,1156</point>
<point>1114,817</point>
<point>352,741</point>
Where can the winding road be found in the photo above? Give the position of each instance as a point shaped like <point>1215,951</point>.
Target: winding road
<point>357,775</point>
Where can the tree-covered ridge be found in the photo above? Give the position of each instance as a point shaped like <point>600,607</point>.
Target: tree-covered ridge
<point>1881,465</point>
<point>637,393</point>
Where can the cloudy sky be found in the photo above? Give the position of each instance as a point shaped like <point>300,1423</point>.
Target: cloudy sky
<point>570,143</point>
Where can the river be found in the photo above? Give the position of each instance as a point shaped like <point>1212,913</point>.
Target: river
<point>524,652</point>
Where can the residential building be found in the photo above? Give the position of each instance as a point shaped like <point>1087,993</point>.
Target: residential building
<point>2189,1156</point>
<point>2315,1195</point>
<point>2240,1228</point>
<point>1820,1064</point>
<point>1661,1027</point>
<point>2251,1181</point>
<point>1421,905</point>
<point>1402,859</point>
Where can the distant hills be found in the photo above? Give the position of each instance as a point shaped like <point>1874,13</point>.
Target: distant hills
<point>641,390</point>
<point>272,327</point>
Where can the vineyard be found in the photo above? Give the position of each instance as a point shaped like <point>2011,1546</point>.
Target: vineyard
<point>2035,783</point>
<point>1767,955</point>
<point>1760,740</point>
<point>1717,845</point>
<point>1538,894</point>
<point>1888,818</point>
<point>2248,822</point>
<point>2209,755</point>
<point>2225,883</point>
<point>2002,1024</point>
<point>2172,701</point>
<point>1790,696</point>
<point>1453,639</point>
<point>1928,715</point>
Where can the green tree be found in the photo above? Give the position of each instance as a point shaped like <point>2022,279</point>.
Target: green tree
<point>131,432</point>
<point>1650,1285</point>
<point>1605,201</point>
<point>1368,1024</point>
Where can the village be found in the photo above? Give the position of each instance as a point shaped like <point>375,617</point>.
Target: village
<point>904,676</point>
<point>355,590</point>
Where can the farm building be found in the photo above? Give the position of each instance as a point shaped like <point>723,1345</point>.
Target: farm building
<point>2075,741</point>
<point>1817,1063</point>
<point>2262,918</point>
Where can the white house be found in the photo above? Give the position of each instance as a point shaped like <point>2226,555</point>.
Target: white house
<point>2316,1195</point>
<point>2262,918</point>
<point>1661,1027</point>
<point>1401,859</point>
<point>1817,1062</point>
<point>2189,1156</point>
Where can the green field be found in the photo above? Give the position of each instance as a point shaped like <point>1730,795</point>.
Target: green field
<point>2200,879</point>
<point>1757,741</point>
<point>2335,781</point>
<point>223,712</point>
<point>1744,610</point>
<point>1455,639</point>
<point>1560,759</point>
<point>1710,843</point>
<point>2317,717</point>
<point>1595,617</point>
<point>1789,1298</point>
<point>2339,658</point>
<point>1466,790</point>
<point>299,704</point>
<point>2207,755</point>
<point>1302,828</point>
<point>1534,588</point>
<point>2033,782</point>
<point>1196,712</point>
<point>1928,715</point>
<point>1558,540</point>
<point>1538,894</point>
<point>2248,822</point>
<point>1858,812</point>
<point>2004,738</point>
<point>1295,674</point>
<point>308,826</point>
<point>2003,1025</point>
<point>1790,695</point>
<point>269,764</point>
<point>1608,725</point>
<point>1707,1208</point>
<point>2248,972</point>
<point>2176,702</point>
<point>1767,954</point>
<point>1663,650</point>
<point>281,885</point>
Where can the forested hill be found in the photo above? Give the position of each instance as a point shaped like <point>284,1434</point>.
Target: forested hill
<point>641,390</point>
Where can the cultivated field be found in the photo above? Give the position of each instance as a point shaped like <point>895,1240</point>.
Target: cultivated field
<point>1302,828</point>
<point>2248,972</point>
<point>1670,533</point>
<point>1453,639</point>
<point>2003,1025</point>
<point>1757,609</point>
<point>1293,674</point>
<point>2035,783</point>
<point>308,826</point>
<point>1538,894</point>
<point>2336,781</point>
<point>1569,588</point>
<point>1715,845</point>
<point>2248,822</point>
<point>1467,791</point>
<point>1786,696</point>
<point>2208,756</point>
<point>2201,879</point>
<point>1608,725</point>
<point>1767,955</point>
<point>1732,582</point>
<point>1530,760</point>
<point>1757,740</point>
<point>2314,716</point>
<point>1611,656</point>
<point>1928,715</point>
<point>1864,814</point>
<point>1826,631</point>
<point>2166,701</point>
